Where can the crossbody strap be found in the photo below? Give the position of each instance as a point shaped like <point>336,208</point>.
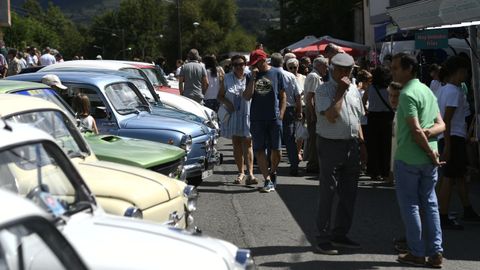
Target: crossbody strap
<point>383,100</point>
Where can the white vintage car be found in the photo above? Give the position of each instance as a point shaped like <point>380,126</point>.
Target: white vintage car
<point>34,166</point>
<point>28,240</point>
<point>120,189</point>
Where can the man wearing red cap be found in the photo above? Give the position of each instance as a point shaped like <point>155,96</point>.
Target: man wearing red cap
<point>265,89</point>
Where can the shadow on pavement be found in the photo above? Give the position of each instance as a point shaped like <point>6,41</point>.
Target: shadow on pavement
<point>337,265</point>
<point>377,221</point>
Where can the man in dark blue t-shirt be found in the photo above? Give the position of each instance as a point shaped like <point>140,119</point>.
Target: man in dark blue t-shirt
<point>265,89</point>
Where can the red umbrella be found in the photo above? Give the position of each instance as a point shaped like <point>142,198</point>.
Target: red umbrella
<point>316,49</point>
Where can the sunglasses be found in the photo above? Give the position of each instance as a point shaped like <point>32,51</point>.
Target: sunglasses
<point>292,67</point>
<point>238,64</point>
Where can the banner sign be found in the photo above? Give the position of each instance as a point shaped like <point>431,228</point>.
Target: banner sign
<point>431,39</point>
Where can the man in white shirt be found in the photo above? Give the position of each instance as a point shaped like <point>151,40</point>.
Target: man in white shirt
<point>312,82</point>
<point>452,143</point>
<point>47,58</point>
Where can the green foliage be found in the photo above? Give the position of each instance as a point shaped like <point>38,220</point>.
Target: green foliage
<point>41,28</point>
<point>305,17</point>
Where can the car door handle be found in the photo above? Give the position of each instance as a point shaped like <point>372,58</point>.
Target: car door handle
<point>108,124</point>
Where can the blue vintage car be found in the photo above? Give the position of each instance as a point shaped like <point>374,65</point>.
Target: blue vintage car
<point>148,91</point>
<point>120,109</point>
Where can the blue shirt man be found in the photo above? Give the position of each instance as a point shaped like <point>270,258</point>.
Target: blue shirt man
<point>265,89</point>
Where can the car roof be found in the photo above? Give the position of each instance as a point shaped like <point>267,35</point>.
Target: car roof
<point>105,64</point>
<point>11,85</point>
<point>12,104</point>
<point>120,73</point>
<point>99,79</point>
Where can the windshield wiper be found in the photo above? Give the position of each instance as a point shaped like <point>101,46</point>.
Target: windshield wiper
<point>73,154</point>
<point>128,110</point>
<point>79,207</point>
<point>144,107</point>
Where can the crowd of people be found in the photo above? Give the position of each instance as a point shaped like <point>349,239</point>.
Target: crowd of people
<point>381,121</point>
<point>344,121</point>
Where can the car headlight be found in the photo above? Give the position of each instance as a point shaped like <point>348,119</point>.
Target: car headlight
<point>133,212</point>
<point>191,193</point>
<point>186,143</point>
<point>244,258</point>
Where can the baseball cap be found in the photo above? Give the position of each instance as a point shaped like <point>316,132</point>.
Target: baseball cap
<point>343,60</point>
<point>256,56</point>
<point>53,80</point>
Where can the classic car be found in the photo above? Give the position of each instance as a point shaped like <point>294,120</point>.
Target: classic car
<point>169,99</point>
<point>120,109</point>
<point>159,157</point>
<point>120,189</point>
<point>28,240</point>
<point>35,167</point>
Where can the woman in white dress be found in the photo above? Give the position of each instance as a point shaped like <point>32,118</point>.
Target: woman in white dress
<point>81,106</point>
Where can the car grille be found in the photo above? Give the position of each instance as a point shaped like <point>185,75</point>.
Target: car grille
<point>168,167</point>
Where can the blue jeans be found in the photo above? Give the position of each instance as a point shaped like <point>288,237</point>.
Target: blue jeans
<point>415,186</point>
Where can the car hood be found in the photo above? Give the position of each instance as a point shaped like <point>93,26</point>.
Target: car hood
<point>141,187</point>
<point>135,152</point>
<point>109,242</point>
<point>150,121</point>
<point>168,112</point>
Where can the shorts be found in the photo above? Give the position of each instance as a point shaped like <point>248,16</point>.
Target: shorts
<point>266,135</point>
<point>456,167</point>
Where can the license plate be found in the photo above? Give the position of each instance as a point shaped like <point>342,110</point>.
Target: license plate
<point>207,173</point>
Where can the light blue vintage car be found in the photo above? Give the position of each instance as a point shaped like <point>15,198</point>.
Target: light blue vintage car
<point>120,109</point>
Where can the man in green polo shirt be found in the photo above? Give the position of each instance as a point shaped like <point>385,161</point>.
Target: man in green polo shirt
<point>416,162</point>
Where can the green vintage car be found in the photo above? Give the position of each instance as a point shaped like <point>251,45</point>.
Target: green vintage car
<point>159,157</point>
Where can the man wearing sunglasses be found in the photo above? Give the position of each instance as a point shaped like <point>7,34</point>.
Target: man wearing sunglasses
<point>266,90</point>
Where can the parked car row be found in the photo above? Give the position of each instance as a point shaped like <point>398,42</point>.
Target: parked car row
<point>71,230</point>
<point>121,199</point>
<point>124,103</point>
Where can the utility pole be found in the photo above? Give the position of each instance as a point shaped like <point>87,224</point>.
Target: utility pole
<point>123,44</point>
<point>179,29</point>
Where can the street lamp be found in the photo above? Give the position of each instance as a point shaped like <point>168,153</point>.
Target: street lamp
<point>195,25</point>
<point>124,51</point>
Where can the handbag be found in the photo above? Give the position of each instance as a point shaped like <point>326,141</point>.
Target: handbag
<point>392,112</point>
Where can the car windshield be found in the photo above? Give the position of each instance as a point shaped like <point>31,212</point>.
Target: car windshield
<point>46,94</point>
<point>143,87</point>
<point>152,75</point>
<point>57,125</point>
<point>124,99</point>
<point>133,71</point>
<point>35,169</point>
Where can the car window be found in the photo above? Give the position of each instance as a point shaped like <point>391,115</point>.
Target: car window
<point>47,94</point>
<point>22,248</point>
<point>98,108</point>
<point>57,125</point>
<point>143,87</point>
<point>133,71</point>
<point>123,98</point>
<point>152,75</point>
<point>34,172</point>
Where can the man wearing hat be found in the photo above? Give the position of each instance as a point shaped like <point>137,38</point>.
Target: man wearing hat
<point>265,89</point>
<point>54,82</point>
<point>340,146</point>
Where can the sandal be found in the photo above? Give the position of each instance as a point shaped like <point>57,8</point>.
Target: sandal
<point>251,180</point>
<point>239,179</point>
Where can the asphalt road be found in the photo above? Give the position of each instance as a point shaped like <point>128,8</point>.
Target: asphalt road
<point>279,228</point>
